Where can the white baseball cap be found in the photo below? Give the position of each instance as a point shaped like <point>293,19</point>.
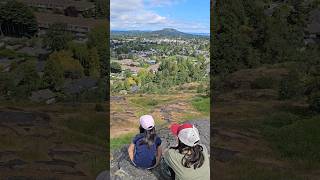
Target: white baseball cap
<point>187,133</point>
<point>147,122</point>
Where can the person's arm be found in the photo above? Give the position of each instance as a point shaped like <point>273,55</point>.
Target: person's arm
<point>159,154</point>
<point>131,151</point>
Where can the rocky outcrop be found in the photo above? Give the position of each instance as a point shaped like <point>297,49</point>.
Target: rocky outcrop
<point>121,168</point>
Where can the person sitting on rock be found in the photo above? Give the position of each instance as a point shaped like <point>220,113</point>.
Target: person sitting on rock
<point>145,150</point>
<point>189,160</point>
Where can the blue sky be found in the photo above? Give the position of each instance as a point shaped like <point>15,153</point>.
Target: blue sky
<point>183,15</point>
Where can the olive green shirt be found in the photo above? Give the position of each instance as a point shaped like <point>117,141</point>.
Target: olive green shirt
<point>173,158</point>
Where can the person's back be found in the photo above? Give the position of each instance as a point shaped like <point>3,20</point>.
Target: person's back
<point>173,159</point>
<point>145,150</point>
<point>189,160</point>
<point>144,154</point>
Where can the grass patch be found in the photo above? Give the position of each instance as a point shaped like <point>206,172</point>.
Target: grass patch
<point>71,136</point>
<point>90,124</point>
<point>297,141</point>
<point>147,103</point>
<point>9,142</point>
<point>86,128</point>
<point>280,119</point>
<point>96,163</point>
<point>202,104</point>
<point>251,171</point>
<point>116,143</point>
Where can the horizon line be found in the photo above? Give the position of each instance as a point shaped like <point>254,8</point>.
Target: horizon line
<point>157,30</point>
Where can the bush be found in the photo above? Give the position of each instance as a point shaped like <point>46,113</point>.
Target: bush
<point>7,53</point>
<point>299,140</point>
<point>280,119</point>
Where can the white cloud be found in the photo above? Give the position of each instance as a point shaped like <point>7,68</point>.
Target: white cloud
<point>162,2</point>
<point>134,15</point>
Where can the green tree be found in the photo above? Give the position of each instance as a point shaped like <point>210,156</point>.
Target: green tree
<point>17,19</point>
<point>94,63</point>
<point>80,52</point>
<point>98,38</point>
<point>102,9</point>
<point>71,68</point>
<point>25,79</point>
<point>57,37</point>
<point>53,73</point>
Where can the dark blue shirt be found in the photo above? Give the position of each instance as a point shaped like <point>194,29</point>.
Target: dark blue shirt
<point>145,156</point>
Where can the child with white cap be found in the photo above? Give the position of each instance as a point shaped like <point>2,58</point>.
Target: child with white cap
<point>145,150</point>
<point>189,160</point>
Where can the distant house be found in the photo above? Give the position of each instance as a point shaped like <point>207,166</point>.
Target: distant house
<point>45,95</point>
<point>151,61</point>
<point>133,69</point>
<point>128,62</point>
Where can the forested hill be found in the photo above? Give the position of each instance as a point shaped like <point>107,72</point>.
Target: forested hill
<point>249,33</point>
<point>166,32</point>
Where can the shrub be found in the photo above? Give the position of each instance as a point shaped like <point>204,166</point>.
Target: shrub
<point>299,140</point>
<point>7,53</point>
<point>280,119</point>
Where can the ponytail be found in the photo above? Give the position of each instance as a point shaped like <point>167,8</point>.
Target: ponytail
<point>149,136</point>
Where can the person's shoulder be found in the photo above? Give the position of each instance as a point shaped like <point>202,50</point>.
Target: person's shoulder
<point>137,137</point>
<point>204,147</point>
<point>158,140</point>
<point>172,152</point>
<point>168,154</point>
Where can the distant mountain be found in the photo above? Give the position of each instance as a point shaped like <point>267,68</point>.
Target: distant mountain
<point>169,32</point>
<point>166,32</point>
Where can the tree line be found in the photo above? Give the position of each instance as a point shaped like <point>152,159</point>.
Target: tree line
<point>249,34</point>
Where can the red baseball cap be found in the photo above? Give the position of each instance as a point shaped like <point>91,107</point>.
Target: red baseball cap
<point>187,133</point>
